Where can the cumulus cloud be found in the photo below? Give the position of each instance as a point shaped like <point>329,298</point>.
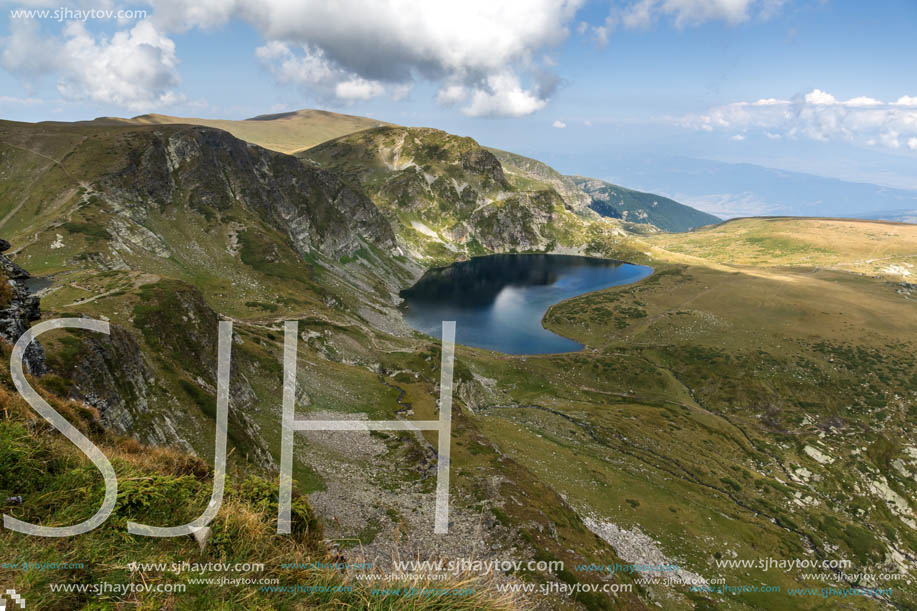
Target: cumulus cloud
<point>310,69</point>
<point>491,57</point>
<point>390,39</point>
<point>358,89</point>
<point>559,124</point>
<point>22,49</point>
<point>478,49</point>
<point>134,68</point>
<point>502,95</point>
<point>817,97</point>
<point>816,115</point>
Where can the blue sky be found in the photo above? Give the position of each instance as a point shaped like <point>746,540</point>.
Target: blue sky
<point>823,86</point>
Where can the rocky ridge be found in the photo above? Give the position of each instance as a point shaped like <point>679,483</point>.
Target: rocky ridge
<point>208,170</point>
<point>18,309</point>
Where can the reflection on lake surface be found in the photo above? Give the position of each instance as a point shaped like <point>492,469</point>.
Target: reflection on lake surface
<point>498,301</point>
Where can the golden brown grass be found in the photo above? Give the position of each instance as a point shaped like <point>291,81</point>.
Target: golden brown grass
<point>867,247</point>
<point>286,132</point>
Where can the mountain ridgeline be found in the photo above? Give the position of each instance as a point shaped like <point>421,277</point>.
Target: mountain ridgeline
<point>446,196</point>
<point>286,132</point>
<point>295,132</point>
<point>639,207</point>
<point>134,171</point>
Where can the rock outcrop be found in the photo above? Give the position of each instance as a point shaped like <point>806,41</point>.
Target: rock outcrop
<point>209,170</point>
<point>447,193</point>
<point>182,331</point>
<point>485,163</point>
<point>18,309</point>
<point>113,375</point>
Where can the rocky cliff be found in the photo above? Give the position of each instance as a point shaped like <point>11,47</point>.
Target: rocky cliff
<point>18,309</point>
<point>448,197</point>
<point>209,170</point>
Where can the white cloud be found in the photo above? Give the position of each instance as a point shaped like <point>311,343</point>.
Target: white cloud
<point>308,69</point>
<point>817,96</point>
<point>602,32</point>
<point>311,70</point>
<point>642,14</point>
<point>390,38</point>
<point>135,68</point>
<point>639,14</point>
<point>476,44</point>
<point>738,137</point>
<point>23,49</point>
<point>502,96</point>
<point>863,101</point>
<point>768,102</point>
<point>912,144</point>
<point>890,139</point>
<point>816,115</point>
<point>346,49</point>
<point>685,13</point>
<point>358,89</point>
<point>451,94</point>
<point>559,124</point>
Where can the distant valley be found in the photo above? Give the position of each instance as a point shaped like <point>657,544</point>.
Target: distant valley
<point>734,190</point>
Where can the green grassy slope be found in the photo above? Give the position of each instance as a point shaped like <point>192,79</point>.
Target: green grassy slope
<point>792,399</point>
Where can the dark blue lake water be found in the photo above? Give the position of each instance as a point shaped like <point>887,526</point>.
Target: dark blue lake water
<point>497,302</point>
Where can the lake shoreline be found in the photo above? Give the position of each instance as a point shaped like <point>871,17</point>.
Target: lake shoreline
<point>499,302</point>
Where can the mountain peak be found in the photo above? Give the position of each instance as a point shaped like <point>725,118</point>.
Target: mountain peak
<point>286,132</point>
